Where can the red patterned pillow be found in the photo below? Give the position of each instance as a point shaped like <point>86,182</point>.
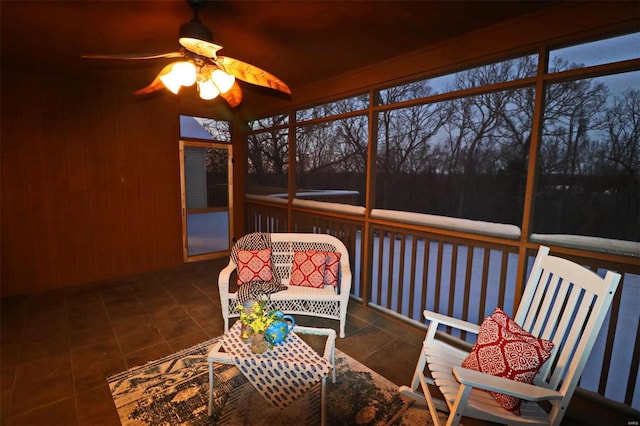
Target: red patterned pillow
<point>308,268</point>
<point>501,352</point>
<point>254,265</point>
<point>332,269</point>
<point>505,320</point>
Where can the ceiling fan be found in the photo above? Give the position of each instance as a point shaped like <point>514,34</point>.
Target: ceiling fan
<point>214,75</point>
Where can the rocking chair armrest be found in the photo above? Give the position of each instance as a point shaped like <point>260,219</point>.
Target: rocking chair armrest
<point>225,276</point>
<point>503,385</point>
<point>437,318</point>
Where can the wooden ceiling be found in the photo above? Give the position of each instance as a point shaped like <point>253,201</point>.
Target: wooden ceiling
<point>299,41</point>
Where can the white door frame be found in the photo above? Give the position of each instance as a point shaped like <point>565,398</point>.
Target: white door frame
<point>183,198</point>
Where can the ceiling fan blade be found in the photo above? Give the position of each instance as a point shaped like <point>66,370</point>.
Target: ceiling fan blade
<point>136,56</point>
<point>251,74</point>
<point>233,96</point>
<point>200,47</point>
<point>156,84</point>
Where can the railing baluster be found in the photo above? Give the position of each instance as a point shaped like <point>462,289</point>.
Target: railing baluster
<point>483,285</point>
<point>400,292</point>
<point>452,280</point>
<point>392,250</point>
<point>503,279</point>
<point>425,275</point>
<point>412,277</point>
<point>436,302</point>
<point>381,240</point>
<point>635,360</point>
<point>467,288</point>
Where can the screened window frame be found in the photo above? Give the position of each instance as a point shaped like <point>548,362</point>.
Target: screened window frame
<point>539,82</point>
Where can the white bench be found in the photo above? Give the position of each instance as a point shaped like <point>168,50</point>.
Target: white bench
<point>328,302</point>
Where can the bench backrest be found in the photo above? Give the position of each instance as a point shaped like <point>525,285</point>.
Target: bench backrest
<point>284,245</point>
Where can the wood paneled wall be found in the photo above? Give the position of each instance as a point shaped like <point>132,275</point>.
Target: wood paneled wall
<point>90,183</point>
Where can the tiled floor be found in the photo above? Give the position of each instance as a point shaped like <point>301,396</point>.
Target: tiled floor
<point>59,346</point>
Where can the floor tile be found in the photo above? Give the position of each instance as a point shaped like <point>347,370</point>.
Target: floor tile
<point>150,353</point>
<point>160,304</point>
<point>90,322</point>
<point>189,339</point>
<point>45,368</point>
<point>88,309</point>
<point>94,406</point>
<point>201,305</point>
<point>91,337</point>
<point>41,393</point>
<point>171,329</point>
<point>364,342</point>
<point>57,317</point>
<point>208,320</point>
<point>86,378</point>
<point>47,301</point>
<point>135,313</point>
<point>358,311</point>
<point>399,330</point>
<point>126,327</point>
<point>32,351</point>
<point>214,331</point>
<point>176,313</point>
<point>58,413</point>
<point>139,338</point>
<point>386,361</point>
<point>46,326</point>
<point>212,294</point>
<point>99,352</point>
<point>184,294</point>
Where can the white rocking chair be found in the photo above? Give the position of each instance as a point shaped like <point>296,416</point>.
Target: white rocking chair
<point>562,302</point>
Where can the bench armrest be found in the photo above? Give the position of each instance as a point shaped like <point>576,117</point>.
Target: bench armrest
<point>345,278</point>
<point>224,277</point>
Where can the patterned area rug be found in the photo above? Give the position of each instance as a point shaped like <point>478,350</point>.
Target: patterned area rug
<point>174,391</point>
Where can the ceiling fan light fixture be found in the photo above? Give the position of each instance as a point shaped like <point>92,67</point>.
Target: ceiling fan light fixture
<point>172,82</point>
<point>186,72</point>
<point>181,74</point>
<point>222,80</point>
<point>207,89</point>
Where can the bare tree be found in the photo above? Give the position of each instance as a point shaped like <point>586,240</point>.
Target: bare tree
<point>620,152</point>
<point>268,152</point>
<point>481,130</point>
<point>573,110</point>
<point>404,137</point>
<point>336,146</point>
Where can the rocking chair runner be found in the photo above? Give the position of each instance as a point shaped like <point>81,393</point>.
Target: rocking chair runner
<point>562,302</point>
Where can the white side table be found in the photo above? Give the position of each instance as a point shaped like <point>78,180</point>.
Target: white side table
<point>217,355</point>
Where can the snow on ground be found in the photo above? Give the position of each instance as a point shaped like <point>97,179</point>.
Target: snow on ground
<point>207,233</point>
